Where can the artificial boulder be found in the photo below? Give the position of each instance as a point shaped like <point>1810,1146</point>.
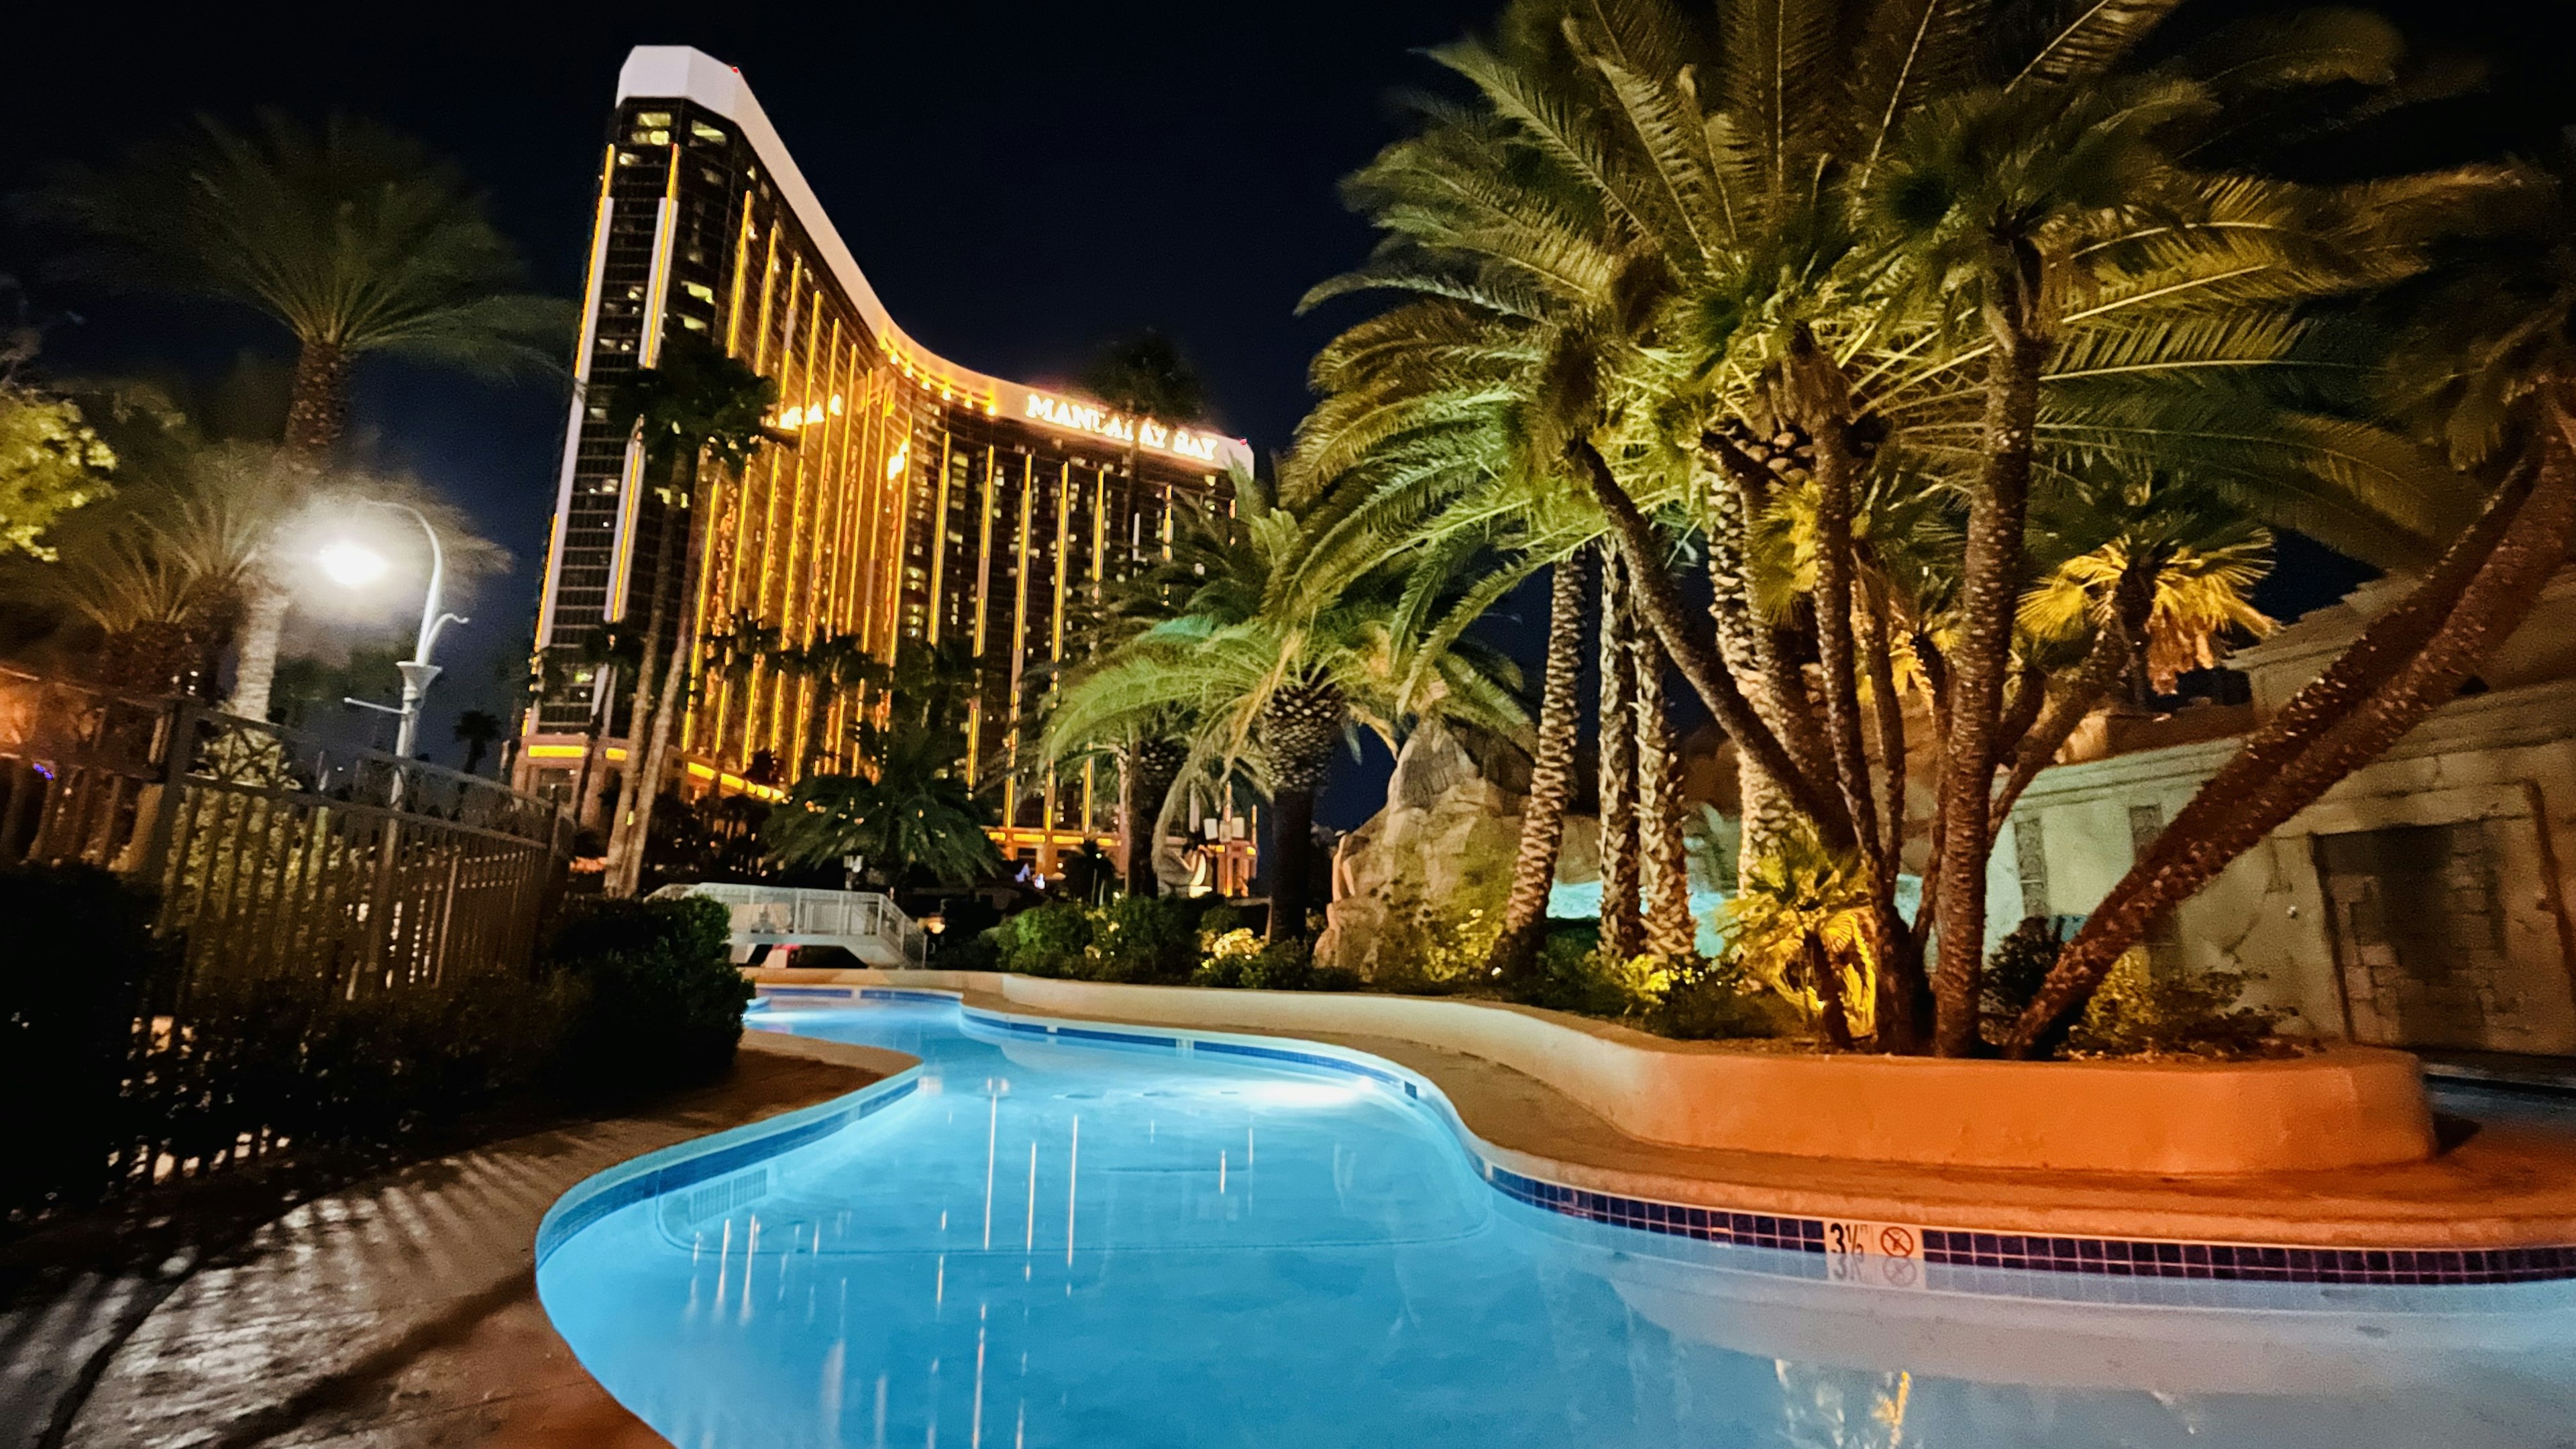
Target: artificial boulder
<point>1443,845</point>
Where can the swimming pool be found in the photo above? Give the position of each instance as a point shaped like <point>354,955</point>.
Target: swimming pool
<point>1030,1242</point>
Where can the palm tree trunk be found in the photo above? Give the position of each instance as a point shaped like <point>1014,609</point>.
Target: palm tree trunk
<point>1292,841</point>
<point>628,870</point>
<point>1834,650</point>
<point>255,662</point>
<point>1622,927</point>
<point>317,409</point>
<point>1989,586</point>
<point>2377,691</point>
<point>1153,764</point>
<point>1662,607</point>
<point>1888,718</point>
<point>1782,694</point>
<point>1301,726</point>
<point>639,710</point>
<point>1764,813</point>
<point>1551,778</point>
<point>1663,858</point>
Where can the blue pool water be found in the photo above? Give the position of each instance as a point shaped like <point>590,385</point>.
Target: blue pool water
<point>1095,1245</point>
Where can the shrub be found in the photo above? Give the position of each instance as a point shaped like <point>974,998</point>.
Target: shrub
<point>80,952</point>
<point>1435,951</point>
<point>661,1003</point>
<point>1272,966</point>
<point>2136,1012</point>
<point>1143,938</point>
<point>2014,970</point>
<point>1592,982</point>
<point>1047,940</point>
<point>1712,1000</point>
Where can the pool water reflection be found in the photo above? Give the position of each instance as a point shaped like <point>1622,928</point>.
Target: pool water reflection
<point>1094,1246</point>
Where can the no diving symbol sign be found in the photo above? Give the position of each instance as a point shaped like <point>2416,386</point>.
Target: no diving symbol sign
<point>1896,1242</point>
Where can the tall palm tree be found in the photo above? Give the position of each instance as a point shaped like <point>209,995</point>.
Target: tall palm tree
<point>1744,252</point>
<point>694,407</point>
<point>355,239</point>
<point>476,729</point>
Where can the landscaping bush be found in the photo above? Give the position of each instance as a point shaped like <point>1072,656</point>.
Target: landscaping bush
<point>1143,938</point>
<point>1715,1000</point>
<point>1045,940</point>
<point>81,950</point>
<point>1236,959</point>
<point>2014,970</point>
<point>2136,1012</point>
<point>661,1003</point>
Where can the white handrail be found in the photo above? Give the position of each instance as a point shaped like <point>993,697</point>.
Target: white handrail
<point>775,911</point>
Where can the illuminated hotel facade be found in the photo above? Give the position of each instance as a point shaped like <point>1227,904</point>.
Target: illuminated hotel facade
<point>901,497</point>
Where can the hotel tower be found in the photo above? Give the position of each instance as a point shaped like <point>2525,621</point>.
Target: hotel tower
<point>900,497</point>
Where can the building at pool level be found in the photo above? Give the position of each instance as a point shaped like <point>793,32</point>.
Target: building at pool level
<point>901,497</point>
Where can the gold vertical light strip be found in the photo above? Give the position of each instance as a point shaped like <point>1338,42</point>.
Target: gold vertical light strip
<point>984,550</point>
<point>871,487</point>
<point>1020,609</point>
<point>741,266</point>
<point>1063,541</point>
<point>793,607</point>
<point>768,296</point>
<point>630,482</point>
<point>983,599</point>
<point>839,383</point>
<point>939,528</point>
<point>760,686</point>
<point>593,279</point>
<point>899,499</point>
<point>1099,575</point>
<point>657,285</point>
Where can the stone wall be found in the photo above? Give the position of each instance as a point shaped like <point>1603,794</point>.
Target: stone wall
<point>2424,901</point>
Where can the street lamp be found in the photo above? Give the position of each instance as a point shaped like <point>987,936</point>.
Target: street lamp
<point>353,565</point>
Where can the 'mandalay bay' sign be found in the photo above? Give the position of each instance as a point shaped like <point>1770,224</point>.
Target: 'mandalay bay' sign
<point>1144,432</point>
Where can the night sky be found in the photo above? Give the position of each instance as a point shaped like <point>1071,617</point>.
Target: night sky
<point>1019,182</point>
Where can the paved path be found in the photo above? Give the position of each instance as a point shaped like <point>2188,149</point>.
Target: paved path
<point>402,1313</point>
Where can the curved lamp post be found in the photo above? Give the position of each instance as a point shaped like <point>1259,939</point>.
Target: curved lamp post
<point>354,564</point>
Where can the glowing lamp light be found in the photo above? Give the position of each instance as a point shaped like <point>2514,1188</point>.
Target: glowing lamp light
<point>351,565</point>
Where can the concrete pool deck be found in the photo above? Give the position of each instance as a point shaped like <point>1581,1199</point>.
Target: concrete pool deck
<point>402,1313</point>
<point>2493,1186</point>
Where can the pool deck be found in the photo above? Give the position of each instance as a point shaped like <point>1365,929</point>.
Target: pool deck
<point>2491,1186</point>
<point>402,1314</point>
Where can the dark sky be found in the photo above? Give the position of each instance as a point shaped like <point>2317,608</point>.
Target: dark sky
<point>1018,181</point>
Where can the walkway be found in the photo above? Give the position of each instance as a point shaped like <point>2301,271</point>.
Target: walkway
<point>403,1312</point>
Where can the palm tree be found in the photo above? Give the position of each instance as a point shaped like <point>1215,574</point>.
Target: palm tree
<point>914,815</point>
<point>1272,670</point>
<point>355,239</point>
<point>476,729</point>
<point>2487,365</point>
<point>693,407</point>
<point>1749,253</point>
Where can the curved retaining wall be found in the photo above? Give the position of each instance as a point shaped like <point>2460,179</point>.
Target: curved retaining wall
<point>2345,1107</point>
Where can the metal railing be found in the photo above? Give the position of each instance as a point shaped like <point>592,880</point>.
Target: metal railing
<point>780,912</point>
<point>271,853</point>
